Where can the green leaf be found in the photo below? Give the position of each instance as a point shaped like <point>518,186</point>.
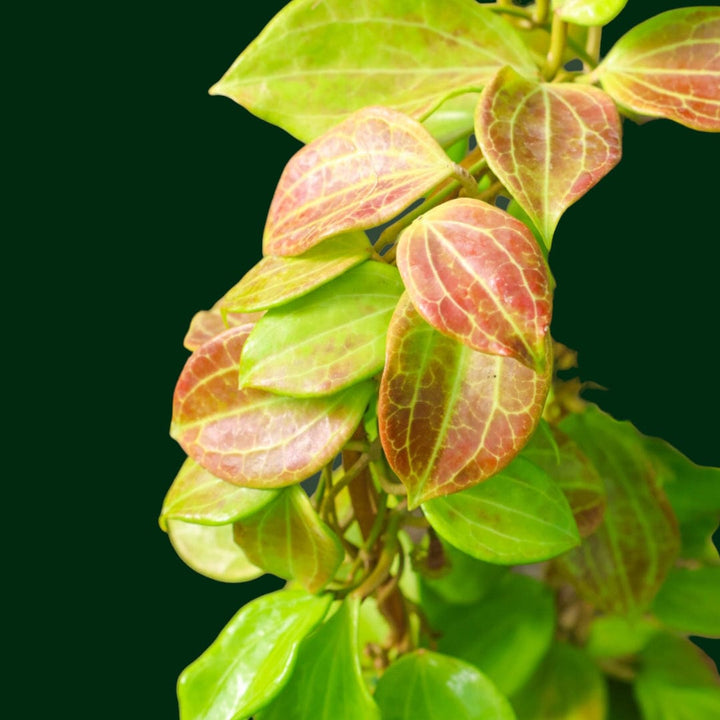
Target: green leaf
<point>197,496</point>
<point>567,686</point>
<point>287,538</point>
<point>450,416</point>
<point>327,683</point>
<point>399,53</point>
<point>327,340</point>
<point>612,636</point>
<point>572,472</point>
<point>689,601</point>
<point>505,635</point>
<point>547,143</point>
<point>251,659</point>
<point>588,12</point>
<point>454,120</point>
<point>517,516</point>
<point>669,66</point>
<point>207,324</point>
<point>677,681</point>
<point>621,566</point>
<point>477,275</point>
<point>425,685</point>
<point>357,175</point>
<point>277,280</point>
<point>211,551</point>
<point>254,438</point>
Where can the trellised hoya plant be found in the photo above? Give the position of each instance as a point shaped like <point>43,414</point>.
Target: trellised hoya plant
<point>382,424</point>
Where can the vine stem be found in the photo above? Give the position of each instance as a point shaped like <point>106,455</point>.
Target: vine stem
<point>542,8</point>
<point>592,47</point>
<point>507,9</point>
<point>558,38</point>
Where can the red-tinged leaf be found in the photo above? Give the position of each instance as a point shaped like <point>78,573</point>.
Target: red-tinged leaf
<point>450,416</point>
<point>359,174</point>
<point>547,143</point>
<point>669,66</point>
<point>250,437</point>
<point>278,280</point>
<point>476,274</point>
<point>288,539</point>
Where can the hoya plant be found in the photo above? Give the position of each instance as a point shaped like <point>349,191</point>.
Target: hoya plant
<point>377,412</point>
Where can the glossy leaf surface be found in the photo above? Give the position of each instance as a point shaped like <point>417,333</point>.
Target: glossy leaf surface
<point>517,516</point>
<point>207,324</point>
<point>689,601</point>
<point>211,551</point>
<point>620,567</point>
<point>669,66</point>
<point>425,685</point>
<point>588,12</point>
<point>327,340</point>
<point>453,120</point>
<point>547,143</point>
<point>477,275</point>
<point>197,496</point>
<point>251,437</point>
<point>450,416</point>
<point>327,683</point>
<point>566,686</point>
<point>505,635</point>
<point>572,472</point>
<point>339,64</point>
<point>677,681</point>
<point>288,538</point>
<point>360,174</point>
<point>251,659</point>
<point>277,280</point>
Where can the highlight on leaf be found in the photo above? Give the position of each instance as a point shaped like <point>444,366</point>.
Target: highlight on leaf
<point>588,12</point>
<point>548,143</point>
<point>669,66</point>
<point>476,274</point>
<point>357,175</point>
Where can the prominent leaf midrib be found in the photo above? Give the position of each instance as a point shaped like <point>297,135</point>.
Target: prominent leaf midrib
<point>661,90</point>
<point>626,55</point>
<point>200,508</point>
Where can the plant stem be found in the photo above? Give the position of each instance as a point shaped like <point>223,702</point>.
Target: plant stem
<point>592,47</point>
<point>588,61</point>
<point>541,11</point>
<point>507,9</point>
<point>468,182</point>
<point>558,37</point>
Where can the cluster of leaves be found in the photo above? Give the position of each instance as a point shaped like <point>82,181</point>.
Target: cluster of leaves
<point>380,423</point>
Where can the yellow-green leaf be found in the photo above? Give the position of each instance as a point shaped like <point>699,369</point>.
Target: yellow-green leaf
<point>588,12</point>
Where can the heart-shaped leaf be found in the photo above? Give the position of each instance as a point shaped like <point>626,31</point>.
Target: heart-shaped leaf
<point>517,516</point>
<point>548,143</point>
<point>425,685</point>
<point>251,659</point>
<point>251,437</point>
<point>342,60</point>
<point>669,66</point>
<point>621,566</point>
<point>588,12</point>
<point>326,340</point>
<point>566,686</point>
<point>327,683</point>
<point>450,416</point>
<point>476,274</point>
<point>197,496</point>
<point>360,174</point>
<point>288,539</point>
<point>505,635</point>
<point>277,280</point>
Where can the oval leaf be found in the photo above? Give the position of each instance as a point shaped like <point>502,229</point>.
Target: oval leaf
<point>517,516</point>
<point>277,280</point>
<point>453,120</point>
<point>425,685</point>
<point>207,324</point>
<point>327,340</point>
<point>254,438</point>
<point>197,496</point>
<point>547,143</point>
<point>621,566</point>
<point>342,61</point>
<point>211,551</point>
<point>327,683</point>
<point>669,66</point>
<point>476,274</point>
<point>288,539</point>
<point>251,659</point>
<point>588,12</point>
<point>357,175</point>
<point>449,416</point>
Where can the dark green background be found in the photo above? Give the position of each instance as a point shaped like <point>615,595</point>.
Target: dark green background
<point>146,200</point>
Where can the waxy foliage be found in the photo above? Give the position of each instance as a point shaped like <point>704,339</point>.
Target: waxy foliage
<point>374,412</point>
